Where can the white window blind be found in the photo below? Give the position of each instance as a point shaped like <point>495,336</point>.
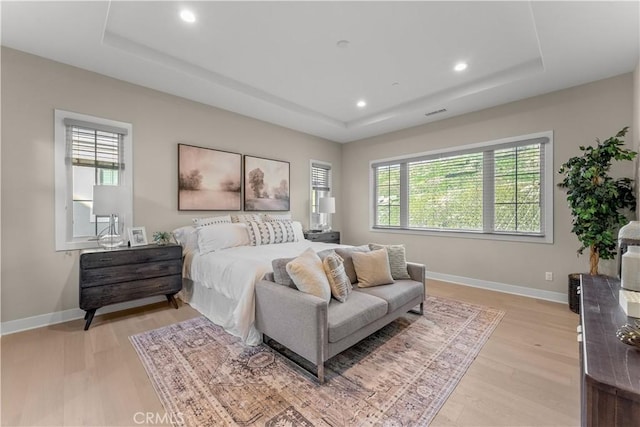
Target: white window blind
<point>489,188</point>
<point>320,176</point>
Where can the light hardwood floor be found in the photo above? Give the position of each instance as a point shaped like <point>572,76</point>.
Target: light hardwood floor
<point>527,374</point>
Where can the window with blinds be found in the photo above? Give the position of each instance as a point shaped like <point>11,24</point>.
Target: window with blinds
<point>320,187</point>
<point>497,188</point>
<point>89,151</point>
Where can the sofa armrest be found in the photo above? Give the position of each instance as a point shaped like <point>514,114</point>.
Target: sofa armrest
<point>417,272</point>
<point>295,319</point>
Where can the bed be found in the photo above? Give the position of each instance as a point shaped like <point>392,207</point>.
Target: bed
<point>220,284</point>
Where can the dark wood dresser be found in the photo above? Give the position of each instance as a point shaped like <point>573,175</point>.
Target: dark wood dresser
<point>118,275</point>
<point>611,369</point>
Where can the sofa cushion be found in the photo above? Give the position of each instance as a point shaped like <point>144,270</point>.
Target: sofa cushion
<point>338,279</point>
<point>307,273</point>
<point>279,265</point>
<point>357,312</point>
<point>396,294</point>
<point>346,254</point>
<point>372,268</point>
<point>397,260</point>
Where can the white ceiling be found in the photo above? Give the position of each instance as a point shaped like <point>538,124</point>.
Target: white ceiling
<point>279,61</point>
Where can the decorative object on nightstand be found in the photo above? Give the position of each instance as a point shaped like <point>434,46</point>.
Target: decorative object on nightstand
<point>629,268</point>
<point>138,236</point>
<point>107,201</point>
<point>118,275</point>
<point>323,236</point>
<point>161,238</point>
<point>327,206</point>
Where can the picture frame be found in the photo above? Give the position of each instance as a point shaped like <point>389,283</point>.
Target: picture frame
<point>209,179</point>
<point>137,236</point>
<point>266,184</point>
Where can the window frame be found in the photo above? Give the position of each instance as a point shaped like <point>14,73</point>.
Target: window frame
<point>547,186</point>
<point>63,171</point>
<point>330,192</point>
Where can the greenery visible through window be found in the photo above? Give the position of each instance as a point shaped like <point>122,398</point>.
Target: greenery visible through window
<point>491,188</point>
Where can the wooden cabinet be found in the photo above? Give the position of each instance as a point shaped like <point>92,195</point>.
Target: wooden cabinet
<point>118,275</point>
<point>611,369</point>
<point>323,236</point>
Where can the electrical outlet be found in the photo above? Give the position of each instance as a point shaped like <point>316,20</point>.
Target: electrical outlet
<point>548,276</point>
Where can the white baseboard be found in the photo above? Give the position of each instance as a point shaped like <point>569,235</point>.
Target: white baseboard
<point>558,297</point>
<point>19,325</point>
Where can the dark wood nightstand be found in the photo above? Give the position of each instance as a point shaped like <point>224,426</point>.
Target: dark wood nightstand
<point>323,236</point>
<point>118,275</point>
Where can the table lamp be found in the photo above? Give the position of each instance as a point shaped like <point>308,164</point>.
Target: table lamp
<point>107,201</point>
<point>327,205</point>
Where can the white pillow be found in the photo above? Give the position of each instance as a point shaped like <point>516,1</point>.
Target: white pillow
<point>267,233</point>
<point>220,219</point>
<point>307,273</point>
<point>222,236</point>
<point>186,237</point>
<point>297,231</point>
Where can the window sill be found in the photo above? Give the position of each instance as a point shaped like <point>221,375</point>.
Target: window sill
<point>467,235</point>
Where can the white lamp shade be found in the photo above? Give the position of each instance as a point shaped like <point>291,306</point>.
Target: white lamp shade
<point>327,205</point>
<point>108,199</point>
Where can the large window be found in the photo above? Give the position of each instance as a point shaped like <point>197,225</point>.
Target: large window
<point>88,151</point>
<point>501,189</point>
<point>320,187</point>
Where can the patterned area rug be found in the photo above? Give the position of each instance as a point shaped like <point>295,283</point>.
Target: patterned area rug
<point>401,375</point>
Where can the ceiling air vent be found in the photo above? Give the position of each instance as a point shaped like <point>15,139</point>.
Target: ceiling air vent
<point>442,110</point>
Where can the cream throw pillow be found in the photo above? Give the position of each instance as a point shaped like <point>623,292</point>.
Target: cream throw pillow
<point>307,273</point>
<point>338,279</point>
<point>397,260</point>
<point>372,268</point>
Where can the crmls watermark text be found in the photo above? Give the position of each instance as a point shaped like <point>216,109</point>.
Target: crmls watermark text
<point>158,418</point>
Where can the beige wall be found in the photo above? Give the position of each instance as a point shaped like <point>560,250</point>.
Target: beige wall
<point>577,116</point>
<point>38,280</point>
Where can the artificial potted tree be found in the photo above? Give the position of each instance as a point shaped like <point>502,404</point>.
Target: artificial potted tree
<point>598,202</point>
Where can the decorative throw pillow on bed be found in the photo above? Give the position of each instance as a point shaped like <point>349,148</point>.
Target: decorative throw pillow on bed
<point>397,260</point>
<point>308,275</point>
<point>346,253</point>
<point>338,279</point>
<point>266,233</point>
<point>272,217</point>
<point>222,236</point>
<point>246,218</point>
<point>372,268</point>
<point>220,219</point>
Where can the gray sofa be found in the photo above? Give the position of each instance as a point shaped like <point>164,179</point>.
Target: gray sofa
<point>317,331</point>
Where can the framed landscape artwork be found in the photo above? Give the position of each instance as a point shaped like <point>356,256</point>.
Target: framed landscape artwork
<point>208,179</point>
<point>266,184</point>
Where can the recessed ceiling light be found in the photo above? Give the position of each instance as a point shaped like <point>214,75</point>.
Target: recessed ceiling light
<point>460,66</point>
<point>187,16</point>
<point>343,44</point>
<point>362,103</point>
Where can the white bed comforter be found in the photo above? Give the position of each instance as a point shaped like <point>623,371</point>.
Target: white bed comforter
<point>234,273</point>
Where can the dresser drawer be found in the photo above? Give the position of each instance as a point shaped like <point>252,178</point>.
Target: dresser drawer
<point>328,237</point>
<point>124,273</point>
<point>100,259</point>
<point>99,296</point>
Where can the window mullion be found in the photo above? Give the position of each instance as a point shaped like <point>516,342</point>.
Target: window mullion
<point>488,191</point>
<point>404,196</point>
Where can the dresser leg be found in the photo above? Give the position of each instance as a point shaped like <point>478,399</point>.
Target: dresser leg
<point>89,317</point>
<point>172,301</point>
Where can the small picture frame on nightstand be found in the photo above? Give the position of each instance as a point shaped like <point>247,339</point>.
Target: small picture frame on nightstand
<point>137,236</point>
